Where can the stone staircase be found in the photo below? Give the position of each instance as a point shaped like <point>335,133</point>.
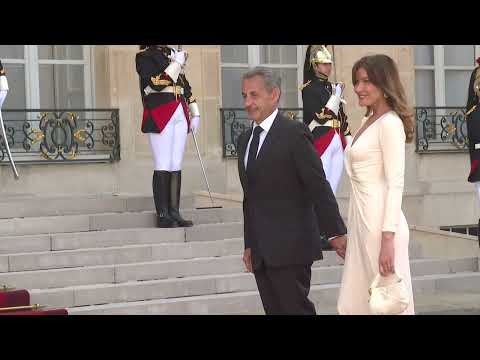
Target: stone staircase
<point>103,255</point>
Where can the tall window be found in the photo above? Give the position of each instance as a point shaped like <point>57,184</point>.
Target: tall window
<point>442,74</point>
<point>48,76</point>
<point>286,60</point>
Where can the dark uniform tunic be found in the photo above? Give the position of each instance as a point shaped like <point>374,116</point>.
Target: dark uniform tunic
<point>315,95</point>
<point>473,124</point>
<point>160,106</point>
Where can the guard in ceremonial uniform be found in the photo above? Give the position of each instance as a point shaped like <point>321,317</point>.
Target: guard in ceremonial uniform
<point>323,112</point>
<point>3,85</point>
<point>170,113</point>
<point>473,130</point>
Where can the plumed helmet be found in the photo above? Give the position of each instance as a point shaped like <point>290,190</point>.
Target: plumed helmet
<point>320,55</point>
<point>315,54</point>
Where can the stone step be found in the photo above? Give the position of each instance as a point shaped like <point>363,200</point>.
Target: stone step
<point>155,270</point>
<point>437,303</point>
<point>120,255</point>
<point>24,243</point>
<point>116,273</point>
<point>117,237</point>
<point>106,221</point>
<point>54,278</point>
<point>159,269</point>
<point>38,206</point>
<point>448,303</point>
<point>248,302</point>
<point>204,281</point>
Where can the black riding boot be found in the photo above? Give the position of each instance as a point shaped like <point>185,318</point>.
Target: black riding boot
<point>175,186</point>
<point>161,196</point>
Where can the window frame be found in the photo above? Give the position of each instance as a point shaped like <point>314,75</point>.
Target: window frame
<point>253,56</point>
<point>32,64</point>
<point>439,69</point>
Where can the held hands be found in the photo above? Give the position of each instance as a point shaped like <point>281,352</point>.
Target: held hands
<point>247,259</point>
<point>386,260</point>
<point>194,124</point>
<point>340,245</point>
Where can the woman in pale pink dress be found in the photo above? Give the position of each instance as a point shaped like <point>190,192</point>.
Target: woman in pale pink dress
<point>378,232</point>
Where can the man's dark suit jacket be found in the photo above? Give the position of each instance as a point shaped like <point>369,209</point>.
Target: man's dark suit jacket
<point>288,199</point>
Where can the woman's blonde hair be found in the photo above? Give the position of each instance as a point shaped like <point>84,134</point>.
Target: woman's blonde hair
<point>383,73</point>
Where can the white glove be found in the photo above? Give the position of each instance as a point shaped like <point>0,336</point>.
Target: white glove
<point>172,54</point>
<point>339,90</point>
<point>195,123</point>
<point>181,57</point>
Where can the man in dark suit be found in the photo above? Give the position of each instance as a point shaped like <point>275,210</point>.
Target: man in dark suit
<point>286,200</point>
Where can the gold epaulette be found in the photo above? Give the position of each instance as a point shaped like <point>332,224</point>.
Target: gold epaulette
<point>476,83</point>
<point>324,117</point>
<point>157,81</point>
<point>471,110</point>
<point>305,85</point>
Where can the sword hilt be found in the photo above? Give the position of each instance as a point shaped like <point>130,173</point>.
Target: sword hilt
<point>18,308</point>
<point>6,288</point>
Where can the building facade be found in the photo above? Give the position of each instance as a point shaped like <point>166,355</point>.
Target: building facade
<point>103,77</point>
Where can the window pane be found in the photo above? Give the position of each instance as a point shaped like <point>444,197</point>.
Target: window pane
<point>232,87</point>
<point>12,51</point>
<point>278,54</point>
<point>456,87</point>
<point>61,86</point>
<point>462,55</point>
<point>16,97</point>
<point>60,52</point>
<point>424,88</point>
<point>424,55</point>
<point>289,97</point>
<point>234,54</point>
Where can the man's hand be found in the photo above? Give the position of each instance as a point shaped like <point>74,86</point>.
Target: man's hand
<point>340,245</point>
<point>247,259</point>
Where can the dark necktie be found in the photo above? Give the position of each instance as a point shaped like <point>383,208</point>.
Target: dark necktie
<point>252,152</point>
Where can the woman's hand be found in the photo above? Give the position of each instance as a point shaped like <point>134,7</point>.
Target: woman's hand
<point>386,261</point>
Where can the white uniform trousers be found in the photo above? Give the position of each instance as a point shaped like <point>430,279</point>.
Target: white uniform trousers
<point>332,160</point>
<point>168,146</point>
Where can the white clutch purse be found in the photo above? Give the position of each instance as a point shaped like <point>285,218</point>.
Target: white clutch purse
<point>388,295</point>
